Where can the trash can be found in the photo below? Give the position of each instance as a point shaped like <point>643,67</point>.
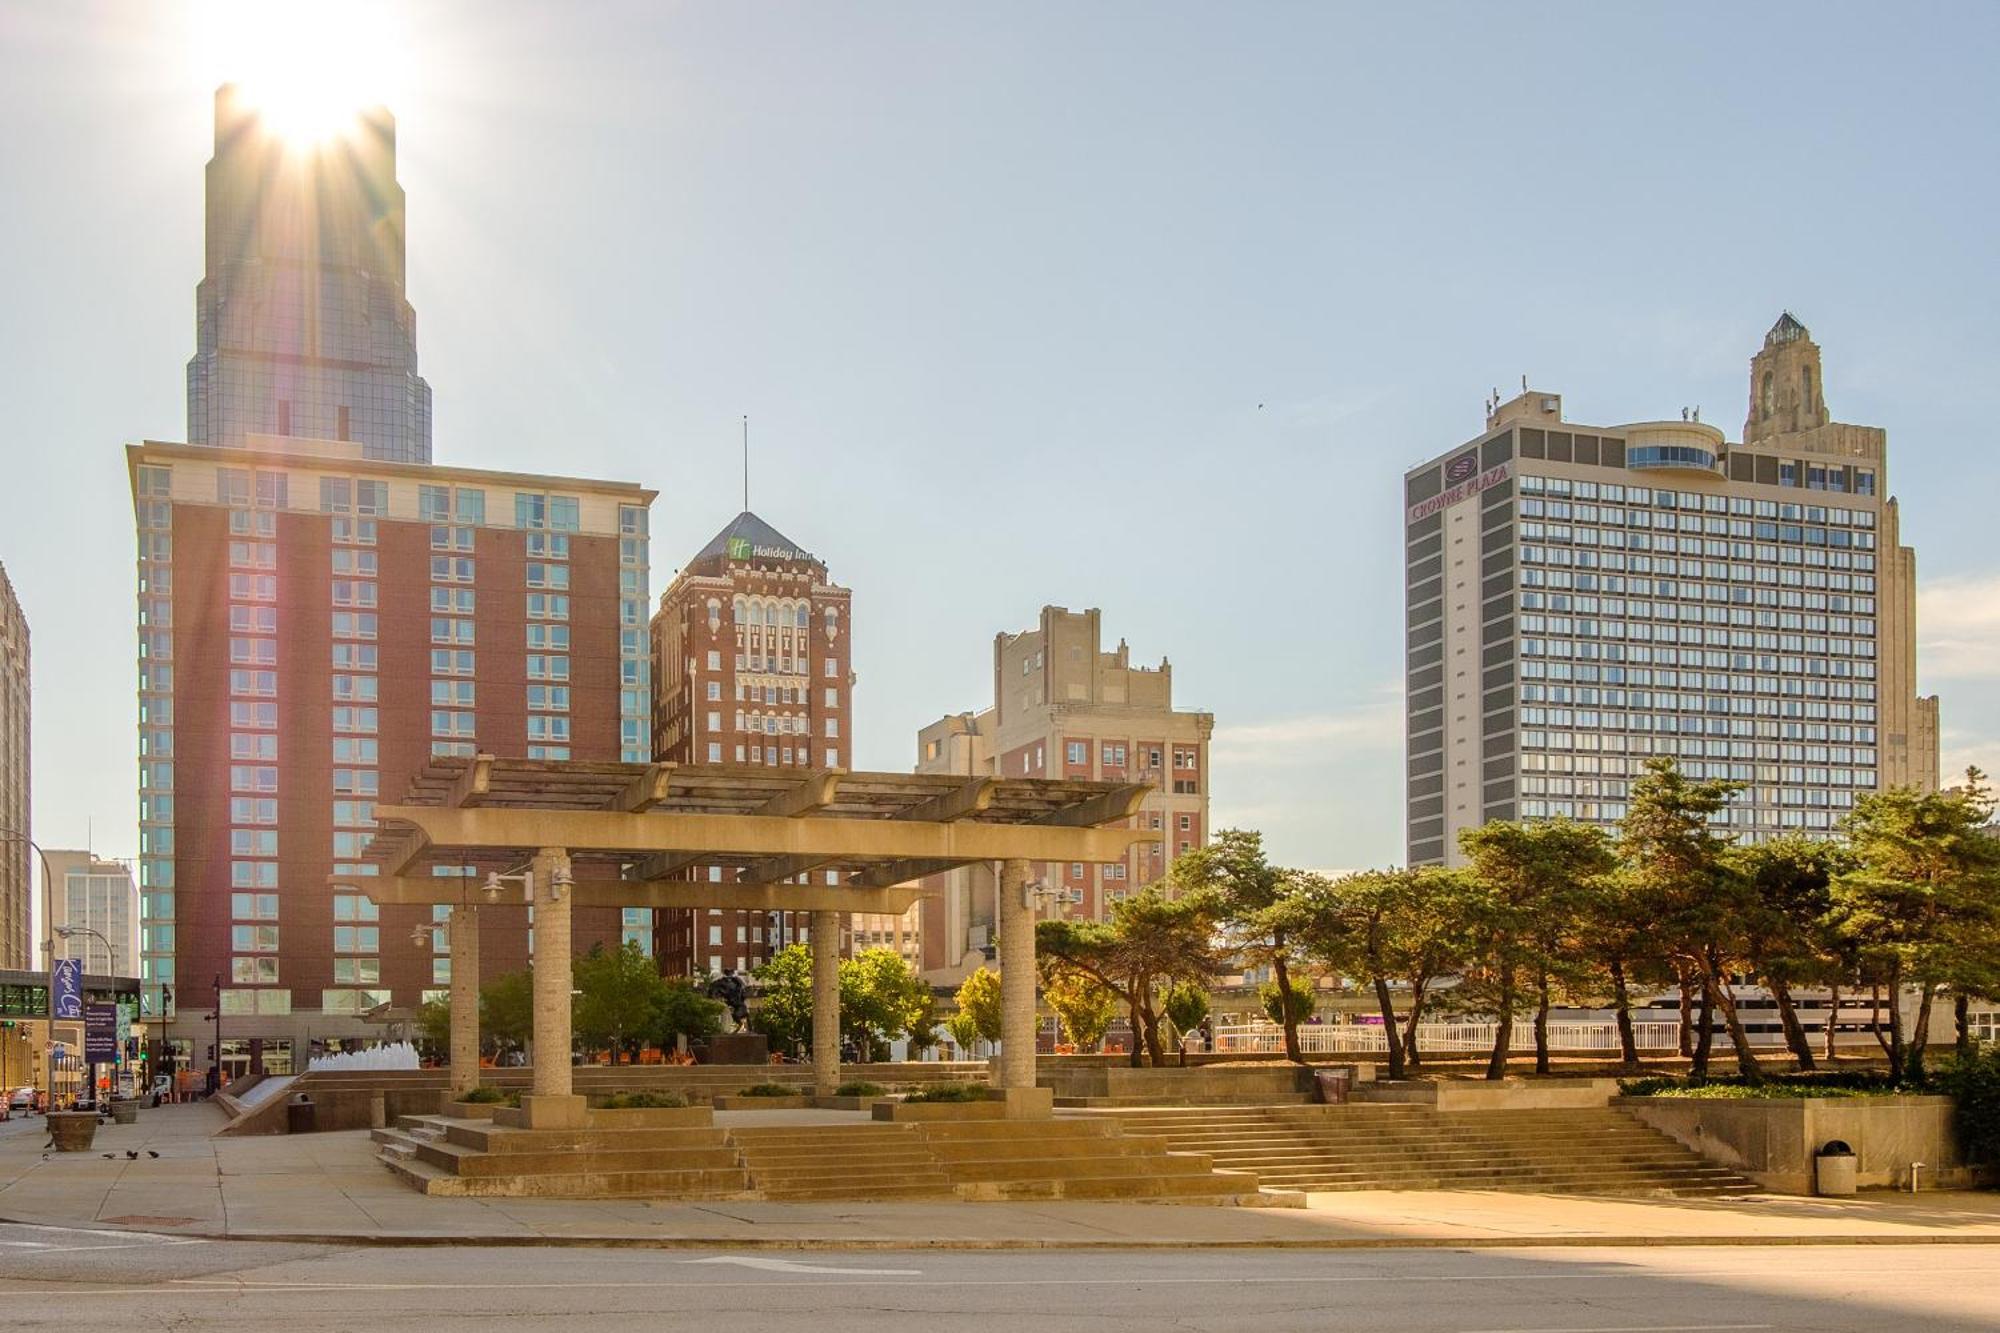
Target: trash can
<point>301,1116</point>
<point>1833,1168</point>
<point>1333,1084</point>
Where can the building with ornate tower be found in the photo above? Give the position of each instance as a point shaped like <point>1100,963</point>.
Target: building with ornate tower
<point>751,665</point>
<point>1582,598</point>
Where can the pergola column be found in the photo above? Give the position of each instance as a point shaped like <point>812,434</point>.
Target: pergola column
<point>1017,978</point>
<point>826,1002</point>
<point>550,1104</point>
<point>462,938</point>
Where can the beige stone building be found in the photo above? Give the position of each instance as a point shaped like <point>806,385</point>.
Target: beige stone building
<point>100,896</point>
<point>16,858</point>
<point>1580,598</point>
<point>1065,708</point>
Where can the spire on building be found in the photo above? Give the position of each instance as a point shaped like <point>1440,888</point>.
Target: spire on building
<point>1787,394</point>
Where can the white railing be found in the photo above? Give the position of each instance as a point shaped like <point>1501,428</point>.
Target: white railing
<point>1365,1038</point>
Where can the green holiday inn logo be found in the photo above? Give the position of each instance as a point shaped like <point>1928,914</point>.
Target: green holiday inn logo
<point>739,548</point>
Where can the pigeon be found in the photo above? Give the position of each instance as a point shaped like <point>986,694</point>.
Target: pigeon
<point>107,1157</point>
<point>131,1155</point>
<point>151,1153</point>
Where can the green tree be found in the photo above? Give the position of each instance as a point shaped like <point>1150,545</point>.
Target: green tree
<point>681,1010</point>
<point>1290,1005</point>
<point>434,1026</point>
<point>785,1008</point>
<point>1525,891</point>
<point>880,997</point>
<point>924,1027</point>
<point>1186,1005</point>
<point>619,1000</point>
<point>507,1010</point>
<point>1082,1005</point>
<point>1785,928</point>
<point>1675,864</point>
<point>1348,927</point>
<point>1151,941</point>
<point>964,1030</point>
<point>1922,902</point>
<point>979,998</point>
<point>1425,942</point>
<point>1246,888</point>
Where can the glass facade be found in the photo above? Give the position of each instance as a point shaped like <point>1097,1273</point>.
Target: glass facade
<point>301,324</point>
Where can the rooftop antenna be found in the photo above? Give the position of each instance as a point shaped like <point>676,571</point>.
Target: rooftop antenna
<point>746,462</point>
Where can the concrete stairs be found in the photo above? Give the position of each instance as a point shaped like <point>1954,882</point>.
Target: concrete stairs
<point>1388,1146</point>
<point>862,1161</point>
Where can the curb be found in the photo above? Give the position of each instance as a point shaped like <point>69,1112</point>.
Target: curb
<point>802,1243</point>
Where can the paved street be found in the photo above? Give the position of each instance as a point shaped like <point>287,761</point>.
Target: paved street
<point>70,1278</point>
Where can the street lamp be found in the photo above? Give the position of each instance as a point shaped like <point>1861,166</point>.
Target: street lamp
<point>48,950</point>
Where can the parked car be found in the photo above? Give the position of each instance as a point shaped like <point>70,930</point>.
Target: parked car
<point>21,1101</point>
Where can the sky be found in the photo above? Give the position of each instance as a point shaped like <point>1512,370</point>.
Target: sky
<point>1137,306</point>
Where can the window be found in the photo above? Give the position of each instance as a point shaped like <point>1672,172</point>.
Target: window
<point>362,688</point>
<point>452,724</point>
<point>232,486</point>
<point>253,906</point>
<point>542,667</point>
<point>542,638</point>
<point>355,907</point>
<point>448,630</point>
<point>549,698</point>
<point>357,939</point>
<point>353,971</point>
<point>541,575</point>
<point>253,810</point>
<point>254,875</point>
<point>451,694</point>
<point>253,652</point>
<point>252,777</point>
<point>253,747</point>
<point>1077,752</point>
<point>832,727</point>
<point>714,752</point>
<point>355,750</point>
<point>434,503</point>
<point>547,606</point>
<point>253,939</point>
<point>354,624</point>
<point>451,569</point>
<point>469,505</point>
<point>829,669</point>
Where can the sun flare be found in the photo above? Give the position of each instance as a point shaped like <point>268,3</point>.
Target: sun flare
<point>309,68</point>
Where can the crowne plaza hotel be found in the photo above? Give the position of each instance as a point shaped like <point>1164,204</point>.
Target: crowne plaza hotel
<point>1581,598</point>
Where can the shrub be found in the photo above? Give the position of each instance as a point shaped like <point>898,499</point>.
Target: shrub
<point>1857,1083</point>
<point>769,1090</point>
<point>644,1101</point>
<point>859,1088</point>
<point>486,1094</point>
<point>949,1092</point>
<point>1973,1081</point>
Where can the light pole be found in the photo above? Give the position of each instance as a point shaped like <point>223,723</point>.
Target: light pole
<point>48,949</point>
<point>70,931</point>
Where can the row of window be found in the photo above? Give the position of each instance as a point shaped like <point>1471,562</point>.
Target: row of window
<point>1709,503</point>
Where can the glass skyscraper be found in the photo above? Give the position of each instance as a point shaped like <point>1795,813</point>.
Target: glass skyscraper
<point>301,325</point>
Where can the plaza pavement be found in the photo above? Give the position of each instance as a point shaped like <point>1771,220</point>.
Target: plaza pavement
<point>328,1187</point>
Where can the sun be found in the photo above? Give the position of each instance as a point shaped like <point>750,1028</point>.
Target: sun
<point>309,68</point>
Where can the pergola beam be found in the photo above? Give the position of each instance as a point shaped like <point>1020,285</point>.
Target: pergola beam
<point>708,836</point>
<point>1106,808</point>
<point>970,799</point>
<point>815,791</point>
<point>473,783</point>
<point>422,890</point>
<point>645,791</point>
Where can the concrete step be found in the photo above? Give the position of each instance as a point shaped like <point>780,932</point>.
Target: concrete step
<point>471,1162</point>
<point>488,1138</point>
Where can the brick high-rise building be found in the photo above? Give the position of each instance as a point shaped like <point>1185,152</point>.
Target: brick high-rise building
<point>1065,708</point>
<point>301,325</point>
<point>751,665</point>
<point>314,627</point>
<point>1583,597</point>
<point>17,859</point>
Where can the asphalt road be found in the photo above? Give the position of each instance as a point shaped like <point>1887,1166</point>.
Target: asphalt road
<point>56,1278</point>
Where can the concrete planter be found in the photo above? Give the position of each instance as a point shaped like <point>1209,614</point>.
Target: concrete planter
<point>1467,1094</point>
<point>738,1102</point>
<point>834,1103</point>
<point>125,1111</point>
<point>1774,1140</point>
<point>652,1117</point>
<point>909,1111</point>
<point>471,1110</point>
<point>73,1131</point>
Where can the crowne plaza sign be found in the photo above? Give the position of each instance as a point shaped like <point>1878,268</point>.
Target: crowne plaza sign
<point>1462,480</point>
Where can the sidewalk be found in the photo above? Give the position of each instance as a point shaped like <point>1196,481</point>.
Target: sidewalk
<point>329,1188</point>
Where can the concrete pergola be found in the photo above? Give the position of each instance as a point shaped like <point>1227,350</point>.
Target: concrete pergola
<point>823,841</point>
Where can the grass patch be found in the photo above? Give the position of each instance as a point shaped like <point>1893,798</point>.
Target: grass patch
<point>645,1101</point>
<point>859,1088</point>
<point>948,1092</point>
<point>1778,1088</point>
<point>770,1090</point>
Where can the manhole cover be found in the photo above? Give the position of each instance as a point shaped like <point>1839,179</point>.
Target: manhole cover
<point>143,1220</point>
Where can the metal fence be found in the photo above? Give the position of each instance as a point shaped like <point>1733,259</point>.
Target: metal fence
<point>1365,1038</point>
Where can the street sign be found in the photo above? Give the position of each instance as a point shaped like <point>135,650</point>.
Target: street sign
<point>124,1026</point>
<point>100,1034</point>
<point>66,988</point>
